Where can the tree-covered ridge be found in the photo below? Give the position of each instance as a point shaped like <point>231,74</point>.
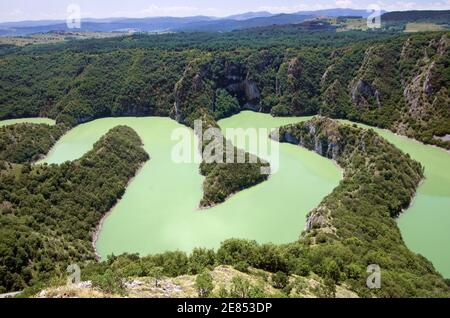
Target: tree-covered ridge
<point>200,95</point>
<point>379,183</point>
<point>399,82</point>
<point>274,36</point>
<point>25,143</point>
<point>402,86</point>
<point>442,16</point>
<point>223,179</point>
<point>48,213</point>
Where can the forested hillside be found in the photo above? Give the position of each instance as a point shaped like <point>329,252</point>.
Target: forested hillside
<point>49,212</point>
<point>25,143</point>
<point>438,16</point>
<point>379,183</point>
<point>399,82</point>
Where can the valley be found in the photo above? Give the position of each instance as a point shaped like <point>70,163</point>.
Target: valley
<point>156,214</point>
<point>94,124</point>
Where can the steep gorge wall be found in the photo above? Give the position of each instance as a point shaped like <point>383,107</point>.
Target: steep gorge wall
<point>399,83</point>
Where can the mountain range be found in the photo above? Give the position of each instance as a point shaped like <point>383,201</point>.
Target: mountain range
<point>174,24</point>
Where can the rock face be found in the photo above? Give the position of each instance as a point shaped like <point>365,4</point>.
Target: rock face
<point>325,146</point>
<point>288,137</point>
<point>248,91</point>
<point>251,91</point>
<point>425,94</point>
<point>361,91</point>
<point>294,67</point>
<point>315,221</point>
<point>364,88</point>
<point>443,138</point>
<point>198,84</point>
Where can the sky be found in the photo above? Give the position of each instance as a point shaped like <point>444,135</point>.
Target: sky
<point>19,10</point>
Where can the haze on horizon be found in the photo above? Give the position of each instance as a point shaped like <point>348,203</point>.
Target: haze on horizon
<point>21,10</point>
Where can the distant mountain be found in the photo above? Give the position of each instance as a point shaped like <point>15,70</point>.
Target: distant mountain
<point>442,16</point>
<point>228,25</point>
<point>157,24</point>
<point>250,15</point>
<point>27,24</point>
<point>338,12</point>
<point>204,23</point>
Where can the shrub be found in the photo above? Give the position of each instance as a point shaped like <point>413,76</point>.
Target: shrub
<point>110,282</point>
<point>204,284</point>
<point>280,280</point>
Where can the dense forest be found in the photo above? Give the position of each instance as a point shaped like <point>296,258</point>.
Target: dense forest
<point>437,16</point>
<point>49,212</point>
<point>389,80</point>
<point>25,143</point>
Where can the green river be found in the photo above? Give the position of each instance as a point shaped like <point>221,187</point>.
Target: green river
<point>159,210</point>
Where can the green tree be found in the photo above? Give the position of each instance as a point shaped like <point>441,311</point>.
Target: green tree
<point>204,284</point>
<point>226,105</point>
<point>280,280</point>
<point>201,259</point>
<point>157,274</point>
<point>329,288</point>
<point>233,251</point>
<point>111,282</point>
<point>332,271</point>
<point>240,287</point>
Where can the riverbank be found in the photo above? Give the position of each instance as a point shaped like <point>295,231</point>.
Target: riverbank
<point>99,225</point>
<point>31,120</point>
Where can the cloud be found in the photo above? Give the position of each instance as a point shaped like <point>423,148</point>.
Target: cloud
<point>344,3</point>
<point>16,13</point>
<point>292,9</point>
<point>412,5</point>
<point>175,11</point>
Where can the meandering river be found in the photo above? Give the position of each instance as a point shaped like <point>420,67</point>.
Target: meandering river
<point>159,210</point>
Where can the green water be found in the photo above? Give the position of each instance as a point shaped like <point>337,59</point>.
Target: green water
<point>425,226</point>
<point>159,209</point>
<point>28,121</point>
